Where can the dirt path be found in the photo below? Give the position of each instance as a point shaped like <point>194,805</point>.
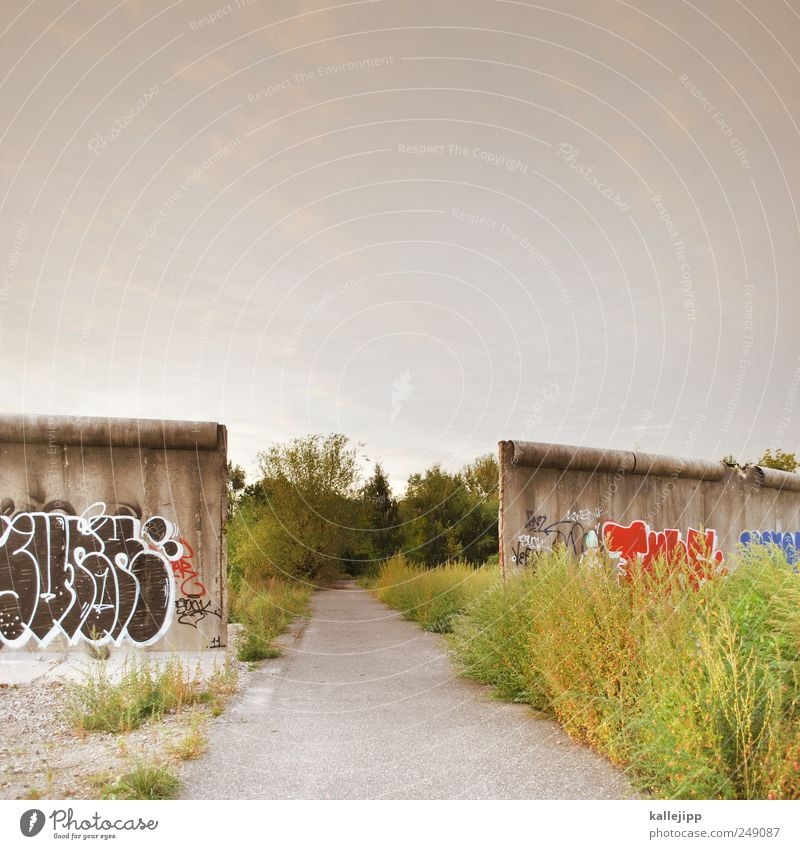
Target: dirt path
<point>364,705</point>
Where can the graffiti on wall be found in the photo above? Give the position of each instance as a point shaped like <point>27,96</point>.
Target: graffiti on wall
<point>193,605</point>
<point>699,550</point>
<point>95,577</point>
<point>186,577</point>
<point>583,535</point>
<point>577,532</point>
<point>192,611</point>
<point>789,542</point>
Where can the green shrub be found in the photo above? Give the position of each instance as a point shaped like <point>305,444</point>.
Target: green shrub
<point>145,781</point>
<point>717,713</point>
<point>695,691</point>
<point>265,606</point>
<point>432,597</point>
<point>144,690</point>
<point>193,744</point>
<point>491,640</point>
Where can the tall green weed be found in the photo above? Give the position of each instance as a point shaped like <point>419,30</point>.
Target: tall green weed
<point>695,691</point>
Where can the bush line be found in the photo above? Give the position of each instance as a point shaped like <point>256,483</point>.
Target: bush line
<point>695,692</point>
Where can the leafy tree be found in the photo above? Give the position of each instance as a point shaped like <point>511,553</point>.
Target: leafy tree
<point>479,534</point>
<point>434,504</point>
<point>778,459</point>
<point>381,515</point>
<point>308,515</point>
<point>452,515</point>
<point>479,531</point>
<point>482,476</point>
<point>301,518</point>
<point>236,483</point>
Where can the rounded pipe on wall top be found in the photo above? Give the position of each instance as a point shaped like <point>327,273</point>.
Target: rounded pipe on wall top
<point>105,432</point>
<point>548,456</point>
<point>545,455</point>
<point>683,467</point>
<point>774,478</point>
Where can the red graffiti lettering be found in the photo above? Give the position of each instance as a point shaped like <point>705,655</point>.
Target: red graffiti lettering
<point>699,552</point>
<point>186,575</point>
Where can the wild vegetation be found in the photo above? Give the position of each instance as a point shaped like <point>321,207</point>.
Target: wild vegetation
<point>433,597</point>
<point>146,691</point>
<point>145,780</point>
<point>312,515</point>
<point>784,461</point>
<point>143,691</point>
<point>265,605</point>
<point>696,692</point>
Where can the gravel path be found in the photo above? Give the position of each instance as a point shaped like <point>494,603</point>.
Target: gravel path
<point>41,756</point>
<point>365,705</point>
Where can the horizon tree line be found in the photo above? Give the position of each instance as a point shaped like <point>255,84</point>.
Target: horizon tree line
<point>311,514</point>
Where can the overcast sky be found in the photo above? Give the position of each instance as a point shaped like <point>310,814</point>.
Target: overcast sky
<point>428,225</point>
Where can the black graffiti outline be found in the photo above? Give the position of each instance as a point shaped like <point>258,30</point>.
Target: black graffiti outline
<point>534,522</point>
<point>570,532</point>
<point>191,611</point>
<point>82,576</point>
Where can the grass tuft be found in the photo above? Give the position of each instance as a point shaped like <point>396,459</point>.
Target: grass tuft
<point>144,781</point>
<point>143,691</point>
<point>265,606</point>
<point>193,744</point>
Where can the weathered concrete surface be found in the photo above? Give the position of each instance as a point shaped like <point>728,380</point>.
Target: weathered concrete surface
<point>23,668</point>
<point>558,493</point>
<point>112,531</point>
<point>364,705</point>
